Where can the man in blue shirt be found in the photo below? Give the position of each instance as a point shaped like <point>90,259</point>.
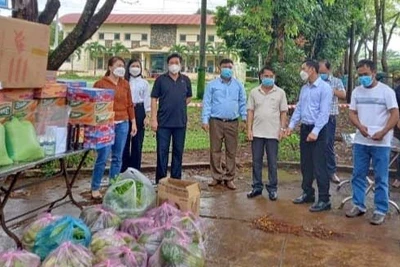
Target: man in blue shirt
<point>312,111</point>
<point>223,103</point>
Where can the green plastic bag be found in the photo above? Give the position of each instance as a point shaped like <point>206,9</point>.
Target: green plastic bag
<point>4,158</point>
<point>21,141</point>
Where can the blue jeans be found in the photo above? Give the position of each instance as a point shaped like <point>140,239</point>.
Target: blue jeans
<point>163,143</point>
<point>330,146</point>
<point>362,156</point>
<point>121,131</point>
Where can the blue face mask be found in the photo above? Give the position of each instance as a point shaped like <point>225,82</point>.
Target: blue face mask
<point>226,73</point>
<point>365,81</point>
<point>268,81</point>
<point>324,76</point>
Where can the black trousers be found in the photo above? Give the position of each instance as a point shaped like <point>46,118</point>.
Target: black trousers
<point>132,156</point>
<point>313,163</point>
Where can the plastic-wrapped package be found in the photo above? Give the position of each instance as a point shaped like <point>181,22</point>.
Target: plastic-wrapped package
<point>129,255</point>
<point>110,263</point>
<point>130,196</point>
<point>4,158</point>
<point>191,226</point>
<point>65,229</point>
<point>30,232</point>
<point>178,252</point>
<point>69,255</point>
<point>98,218</point>
<point>136,227</point>
<point>108,238</point>
<point>163,214</point>
<point>19,258</point>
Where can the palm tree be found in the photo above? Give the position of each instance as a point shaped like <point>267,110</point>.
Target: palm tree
<point>76,55</point>
<point>117,49</point>
<point>95,50</point>
<point>180,49</point>
<point>224,51</point>
<point>210,49</point>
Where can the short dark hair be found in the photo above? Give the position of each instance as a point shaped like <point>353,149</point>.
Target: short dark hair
<point>226,61</point>
<point>266,68</point>
<point>326,63</point>
<point>111,62</point>
<point>174,55</point>
<point>366,63</point>
<point>312,64</point>
<point>130,62</point>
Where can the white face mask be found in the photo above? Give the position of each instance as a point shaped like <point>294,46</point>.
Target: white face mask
<point>119,72</point>
<point>304,75</point>
<point>134,71</point>
<point>174,69</point>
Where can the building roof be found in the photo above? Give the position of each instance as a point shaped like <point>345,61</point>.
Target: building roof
<point>144,19</point>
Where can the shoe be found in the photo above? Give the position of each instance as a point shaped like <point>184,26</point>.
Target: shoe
<point>335,179</point>
<point>377,219</point>
<point>105,182</point>
<point>273,195</point>
<point>96,195</point>
<point>354,212</point>
<point>254,193</point>
<point>230,185</point>
<point>396,183</point>
<point>214,183</point>
<point>304,198</point>
<point>321,206</point>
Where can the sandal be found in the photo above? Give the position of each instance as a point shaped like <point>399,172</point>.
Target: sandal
<point>96,195</point>
<point>396,183</point>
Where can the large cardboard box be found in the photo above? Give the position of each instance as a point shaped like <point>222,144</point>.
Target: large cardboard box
<point>5,111</point>
<point>91,107</point>
<point>91,118</point>
<point>90,94</point>
<point>184,194</point>
<point>51,90</point>
<point>16,94</point>
<point>25,106</point>
<point>52,102</point>
<point>24,48</point>
<point>73,83</point>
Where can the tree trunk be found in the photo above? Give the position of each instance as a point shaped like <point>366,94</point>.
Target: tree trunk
<point>350,83</point>
<point>26,10</point>
<point>378,20</point>
<point>346,61</point>
<point>72,65</point>
<point>95,66</point>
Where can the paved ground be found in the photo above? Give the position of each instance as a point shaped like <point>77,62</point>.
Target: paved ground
<point>234,241</point>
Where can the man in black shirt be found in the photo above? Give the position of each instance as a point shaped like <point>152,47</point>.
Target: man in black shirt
<point>173,92</point>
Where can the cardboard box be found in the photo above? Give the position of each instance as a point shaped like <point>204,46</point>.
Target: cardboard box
<point>100,130</point>
<point>51,90</point>
<point>26,106</point>
<point>184,194</point>
<point>71,83</point>
<point>5,111</point>
<point>25,116</point>
<point>52,102</point>
<point>90,94</point>
<point>16,94</point>
<point>91,107</point>
<point>91,119</point>
<point>24,48</point>
<point>51,76</point>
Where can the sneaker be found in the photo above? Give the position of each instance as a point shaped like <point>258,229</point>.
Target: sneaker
<point>273,195</point>
<point>105,182</point>
<point>354,212</point>
<point>377,219</point>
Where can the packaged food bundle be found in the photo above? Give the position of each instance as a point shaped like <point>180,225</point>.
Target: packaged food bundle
<point>99,130</point>
<point>4,158</point>
<point>90,94</point>
<point>130,196</point>
<point>60,231</point>
<point>190,226</point>
<point>129,255</point>
<point>69,254</point>
<point>107,238</point>
<point>98,218</point>
<point>19,258</point>
<point>136,227</point>
<point>30,232</point>
<point>178,252</point>
<point>163,214</point>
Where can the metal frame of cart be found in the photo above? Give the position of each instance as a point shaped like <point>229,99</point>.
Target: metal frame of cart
<point>15,171</point>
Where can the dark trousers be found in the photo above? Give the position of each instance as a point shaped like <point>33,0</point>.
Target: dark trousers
<point>313,163</point>
<point>330,146</point>
<point>132,157</point>
<point>271,149</point>
<point>164,136</point>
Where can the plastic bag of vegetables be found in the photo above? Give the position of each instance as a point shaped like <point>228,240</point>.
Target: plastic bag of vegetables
<point>69,254</point>
<point>135,227</point>
<point>178,252</point>
<point>65,229</point>
<point>110,263</point>
<point>19,258</point>
<point>191,226</point>
<point>129,255</point>
<point>98,218</point>
<point>30,232</point>
<point>109,238</point>
<point>163,214</point>
<point>130,195</point>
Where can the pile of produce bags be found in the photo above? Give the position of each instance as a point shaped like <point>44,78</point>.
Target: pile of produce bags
<point>19,258</point>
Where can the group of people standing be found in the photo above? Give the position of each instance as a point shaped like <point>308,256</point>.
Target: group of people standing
<point>226,109</point>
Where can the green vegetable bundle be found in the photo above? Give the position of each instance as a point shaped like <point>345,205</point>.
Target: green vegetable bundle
<point>129,255</point>
<point>19,258</point>
<point>98,218</point>
<point>108,238</point>
<point>69,255</point>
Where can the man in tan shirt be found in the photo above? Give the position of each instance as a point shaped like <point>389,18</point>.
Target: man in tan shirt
<point>266,124</point>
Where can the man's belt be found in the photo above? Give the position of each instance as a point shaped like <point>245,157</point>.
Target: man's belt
<point>224,120</point>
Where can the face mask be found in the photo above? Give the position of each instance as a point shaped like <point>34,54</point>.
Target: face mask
<point>119,72</point>
<point>365,81</point>
<point>324,76</point>
<point>134,71</point>
<point>226,73</point>
<point>268,81</point>
<point>304,75</point>
<point>174,69</point>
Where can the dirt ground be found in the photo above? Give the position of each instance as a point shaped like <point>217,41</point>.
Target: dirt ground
<point>292,236</point>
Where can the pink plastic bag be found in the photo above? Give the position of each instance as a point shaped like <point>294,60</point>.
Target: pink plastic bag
<point>30,232</point>
<point>163,214</point>
<point>129,255</point>
<point>110,263</point>
<point>136,227</point>
<point>69,254</point>
<point>20,258</point>
<point>109,238</point>
<point>98,218</point>
<point>191,226</point>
